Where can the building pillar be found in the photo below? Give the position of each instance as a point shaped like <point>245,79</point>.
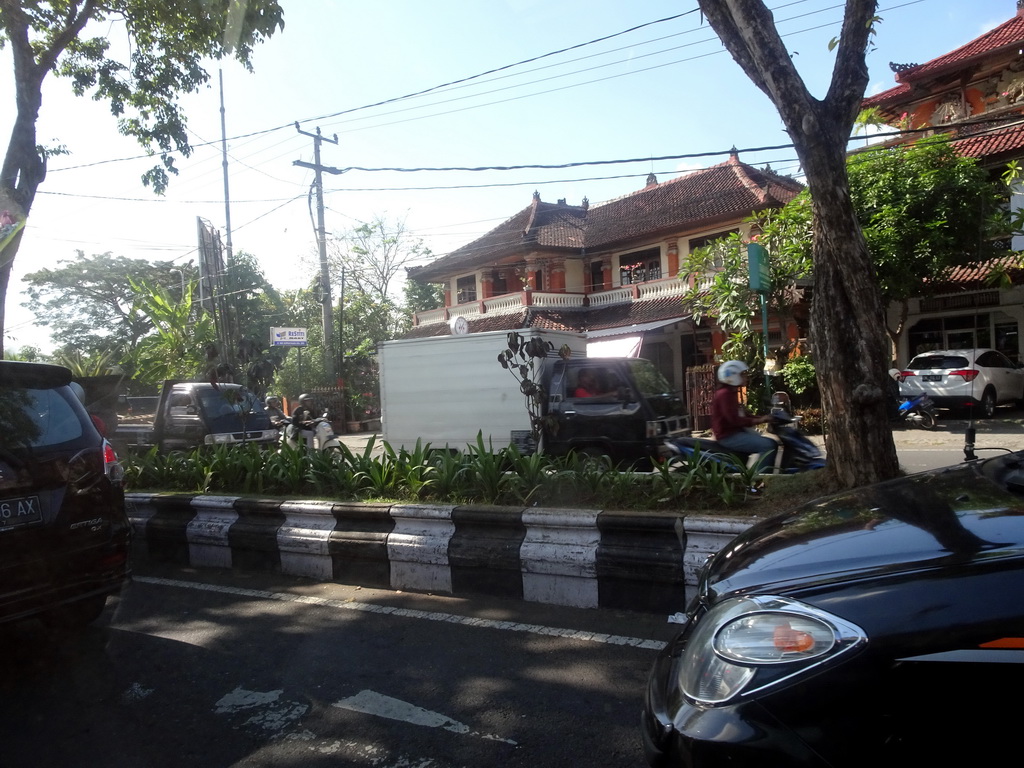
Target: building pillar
<point>557,272</point>
<point>486,285</point>
<point>673,259</point>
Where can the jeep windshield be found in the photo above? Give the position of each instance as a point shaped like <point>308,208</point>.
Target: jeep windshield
<point>655,388</point>
<point>232,408</point>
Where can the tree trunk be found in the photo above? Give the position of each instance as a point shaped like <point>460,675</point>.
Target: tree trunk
<point>847,319</point>
<point>851,347</point>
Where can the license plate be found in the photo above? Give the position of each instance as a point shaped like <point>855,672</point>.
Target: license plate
<point>17,512</point>
<point>932,377</point>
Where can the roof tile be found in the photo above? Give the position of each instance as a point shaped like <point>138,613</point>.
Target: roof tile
<point>723,192</point>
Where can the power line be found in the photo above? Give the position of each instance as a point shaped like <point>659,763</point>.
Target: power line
<point>291,124</point>
<point>502,68</point>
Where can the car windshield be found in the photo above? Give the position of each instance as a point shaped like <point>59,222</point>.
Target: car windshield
<point>656,389</point>
<point>228,400</point>
<point>36,418</point>
<point>232,409</point>
<point>931,362</point>
<point>649,379</point>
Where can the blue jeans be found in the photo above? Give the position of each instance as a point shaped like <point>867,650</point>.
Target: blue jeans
<point>750,441</point>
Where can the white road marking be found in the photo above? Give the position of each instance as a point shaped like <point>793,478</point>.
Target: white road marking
<point>352,605</point>
<point>272,714</point>
<point>371,703</point>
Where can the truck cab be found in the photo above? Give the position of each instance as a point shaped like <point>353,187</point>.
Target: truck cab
<point>190,414</point>
<point>617,407</point>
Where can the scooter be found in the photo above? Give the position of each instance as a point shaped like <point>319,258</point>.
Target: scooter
<point>919,411</point>
<point>795,454</point>
<point>323,437</point>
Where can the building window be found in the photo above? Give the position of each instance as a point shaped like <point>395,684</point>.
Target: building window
<point>964,332</point>
<point>704,242</point>
<point>465,289</point>
<point>640,266</point>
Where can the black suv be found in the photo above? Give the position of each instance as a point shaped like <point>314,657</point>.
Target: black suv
<point>64,534</point>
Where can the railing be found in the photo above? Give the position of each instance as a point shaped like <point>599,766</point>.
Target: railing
<point>614,296</point>
<point>514,302</point>
<point>558,300</point>
<point>509,302</point>
<point>660,288</point>
<point>428,316</point>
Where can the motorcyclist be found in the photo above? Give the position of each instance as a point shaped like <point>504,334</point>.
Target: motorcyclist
<point>731,423</point>
<point>304,418</point>
<point>274,409</point>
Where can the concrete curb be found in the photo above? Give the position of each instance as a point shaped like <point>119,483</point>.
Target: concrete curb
<point>642,561</point>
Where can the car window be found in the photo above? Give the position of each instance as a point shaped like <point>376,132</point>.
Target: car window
<point>991,360</point>
<point>37,418</point>
<point>928,362</point>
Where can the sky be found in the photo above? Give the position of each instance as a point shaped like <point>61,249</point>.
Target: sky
<point>606,81</point>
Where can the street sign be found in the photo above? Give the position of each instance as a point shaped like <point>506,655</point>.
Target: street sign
<point>287,337</point>
<point>757,261</point>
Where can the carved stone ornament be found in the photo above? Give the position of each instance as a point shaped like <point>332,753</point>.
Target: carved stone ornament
<point>1012,88</point>
<point>950,110</point>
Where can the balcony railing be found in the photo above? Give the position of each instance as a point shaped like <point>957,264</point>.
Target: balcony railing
<point>510,303</point>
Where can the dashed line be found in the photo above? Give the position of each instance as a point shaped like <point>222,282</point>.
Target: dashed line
<point>411,613</point>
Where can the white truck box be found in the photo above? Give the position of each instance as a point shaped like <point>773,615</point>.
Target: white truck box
<point>446,389</point>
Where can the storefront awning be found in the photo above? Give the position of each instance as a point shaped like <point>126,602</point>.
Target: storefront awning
<point>620,346</point>
<point>624,341</point>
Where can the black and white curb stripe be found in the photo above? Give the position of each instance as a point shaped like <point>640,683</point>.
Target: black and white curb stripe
<point>575,557</point>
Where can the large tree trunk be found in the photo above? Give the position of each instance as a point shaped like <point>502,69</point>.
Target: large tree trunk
<point>851,346</point>
<point>847,319</point>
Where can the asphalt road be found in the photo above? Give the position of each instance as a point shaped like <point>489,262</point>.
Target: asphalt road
<point>218,668</point>
<point>920,449</point>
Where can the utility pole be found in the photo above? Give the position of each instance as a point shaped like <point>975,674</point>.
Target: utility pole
<point>232,333</point>
<point>325,277</point>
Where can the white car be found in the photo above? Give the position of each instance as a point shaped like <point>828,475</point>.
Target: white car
<point>977,379</point>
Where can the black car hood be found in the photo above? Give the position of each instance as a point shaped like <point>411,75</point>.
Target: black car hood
<point>930,519</point>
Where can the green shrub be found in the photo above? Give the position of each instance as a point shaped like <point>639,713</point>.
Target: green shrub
<point>479,475</point>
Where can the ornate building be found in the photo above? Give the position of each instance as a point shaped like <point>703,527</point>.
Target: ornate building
<point>976,94</point>
<point>607,270</point>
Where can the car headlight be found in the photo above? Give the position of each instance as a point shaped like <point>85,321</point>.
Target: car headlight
<point>747,644</point>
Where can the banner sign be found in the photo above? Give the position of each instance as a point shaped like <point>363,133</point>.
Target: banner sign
<point>287,337</point>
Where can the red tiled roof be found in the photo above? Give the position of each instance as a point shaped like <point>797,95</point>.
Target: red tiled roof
<point>725,192</point>
<point>976,275</point>
<point>636,313</point>
<point>992,144</point>
<point>1007,36</point>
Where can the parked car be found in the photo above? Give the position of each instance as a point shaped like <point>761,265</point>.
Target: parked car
<point>64,533</point>
<point>964,378</point>
<point>882,626</point>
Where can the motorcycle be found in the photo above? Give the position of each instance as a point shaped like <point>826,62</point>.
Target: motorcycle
<point>321,439</point>
<point>919,411</point>
<point>795,454</point>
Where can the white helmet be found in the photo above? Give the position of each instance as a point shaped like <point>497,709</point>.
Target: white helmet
<point>731,372</point>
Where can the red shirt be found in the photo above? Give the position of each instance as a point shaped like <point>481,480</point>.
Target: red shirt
<point>727,415</point>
